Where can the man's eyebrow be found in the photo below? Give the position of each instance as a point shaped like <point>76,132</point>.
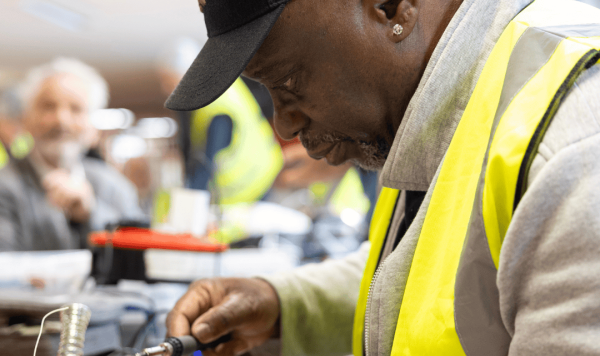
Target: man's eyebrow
<point>202,4</point>
<point>266,77</point>
<point>271,71</point>
<point>263,74</point>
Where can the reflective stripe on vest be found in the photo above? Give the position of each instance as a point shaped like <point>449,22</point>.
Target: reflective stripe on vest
<point>246,169</point>
<point>450,304</point>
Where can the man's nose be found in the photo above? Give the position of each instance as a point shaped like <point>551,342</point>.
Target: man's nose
<point>289,122</point>
<point>63,117</point>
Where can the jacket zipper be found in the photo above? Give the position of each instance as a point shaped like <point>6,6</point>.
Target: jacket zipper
<point>368,307</point>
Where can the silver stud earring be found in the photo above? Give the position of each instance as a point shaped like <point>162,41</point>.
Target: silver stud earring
<point>397,30</point>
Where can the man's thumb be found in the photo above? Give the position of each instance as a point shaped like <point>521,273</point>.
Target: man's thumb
<point>203,332</point>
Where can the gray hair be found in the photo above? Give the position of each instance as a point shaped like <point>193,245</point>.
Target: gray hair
<point>97,86</point>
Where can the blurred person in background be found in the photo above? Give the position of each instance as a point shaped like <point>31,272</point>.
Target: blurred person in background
<point>341,188</point>
<point>138,171</point>
<point>52,198</point>
<point>300,170</point>
<point>14,140</point>
<point>7,129</point>
<point>229,140</point>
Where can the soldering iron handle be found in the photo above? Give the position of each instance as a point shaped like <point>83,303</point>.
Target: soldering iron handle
<point>186,345</point>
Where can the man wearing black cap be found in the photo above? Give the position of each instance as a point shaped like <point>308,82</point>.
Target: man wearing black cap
<point>481,115</point>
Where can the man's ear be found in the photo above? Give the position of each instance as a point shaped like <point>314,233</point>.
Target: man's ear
<point>398,12</point>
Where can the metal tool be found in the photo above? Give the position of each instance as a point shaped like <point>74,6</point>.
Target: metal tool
<point>74,320</point>
<point>182,346</point>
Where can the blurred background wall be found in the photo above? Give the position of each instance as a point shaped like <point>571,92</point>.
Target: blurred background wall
<point>122,39</point>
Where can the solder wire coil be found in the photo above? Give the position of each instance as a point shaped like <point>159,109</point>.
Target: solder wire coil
<point>74,319</point>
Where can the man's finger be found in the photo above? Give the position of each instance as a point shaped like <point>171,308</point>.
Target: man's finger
<point>222,319</point>
<point>56,199</point>
<point>193,304</point>
<point>50,184</point>
<point>177,324</point>
<point>54,179</point>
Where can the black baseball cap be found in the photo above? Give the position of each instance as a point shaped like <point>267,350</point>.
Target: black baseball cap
<point>236,29</point>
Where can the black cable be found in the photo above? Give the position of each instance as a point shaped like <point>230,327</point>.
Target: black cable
<point>139,336</point>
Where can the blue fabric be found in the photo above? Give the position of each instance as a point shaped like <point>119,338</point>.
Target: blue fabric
<point>218,137</point>
<point>185,118</point>
<point>369,181</point>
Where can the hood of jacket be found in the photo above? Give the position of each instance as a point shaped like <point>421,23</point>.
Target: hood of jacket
<point>436,107</point>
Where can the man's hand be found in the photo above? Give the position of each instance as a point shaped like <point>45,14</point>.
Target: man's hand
<point>248,308</point>
<point>75,198</point>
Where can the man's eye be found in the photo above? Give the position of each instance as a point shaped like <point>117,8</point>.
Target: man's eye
<point>76,109</point>
<point>287,85</point>
<point>47,105</point>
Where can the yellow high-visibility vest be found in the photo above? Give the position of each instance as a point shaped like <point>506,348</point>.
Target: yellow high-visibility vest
<point>349,193</point>
<point>20,147</point>
<point>245,169</point>
<point>450,304</point>
<point>3,156</point>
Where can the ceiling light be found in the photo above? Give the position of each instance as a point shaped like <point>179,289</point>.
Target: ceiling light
<point>124,147</point>
<point>155,127</point>
<point>55,14</point>
<point>112,119</point>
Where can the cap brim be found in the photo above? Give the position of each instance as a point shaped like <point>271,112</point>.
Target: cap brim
<point>220,62</point>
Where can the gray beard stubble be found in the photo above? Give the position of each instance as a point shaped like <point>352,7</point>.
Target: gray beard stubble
<point>374,153</point>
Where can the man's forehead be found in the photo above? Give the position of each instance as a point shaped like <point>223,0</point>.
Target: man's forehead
<point>286,43</point>
<point>63,84</point>
<point>63,80</point>
<point>273,52</point>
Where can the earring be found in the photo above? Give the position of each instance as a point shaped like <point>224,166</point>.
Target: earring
<point>397,30</point>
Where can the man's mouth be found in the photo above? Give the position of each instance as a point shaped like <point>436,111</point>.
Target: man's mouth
<point>57,136</point>
<point>329,146</point>
<point>337,154</point>
<point>321,150</point>
<point>334,153</point>
<point>337,149</point>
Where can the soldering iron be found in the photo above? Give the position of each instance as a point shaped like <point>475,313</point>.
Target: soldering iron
<point>182,346</point>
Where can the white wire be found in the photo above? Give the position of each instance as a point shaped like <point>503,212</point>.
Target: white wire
<point>42,327</point>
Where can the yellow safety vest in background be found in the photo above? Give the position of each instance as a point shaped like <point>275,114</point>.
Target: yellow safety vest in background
<point>348,193</point>
<point>20,147</point>
<point>483,176</point>
<point>246,169</point>
<point>3,156</point>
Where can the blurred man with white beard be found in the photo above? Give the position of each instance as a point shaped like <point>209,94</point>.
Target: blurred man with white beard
<point>52,198</point>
